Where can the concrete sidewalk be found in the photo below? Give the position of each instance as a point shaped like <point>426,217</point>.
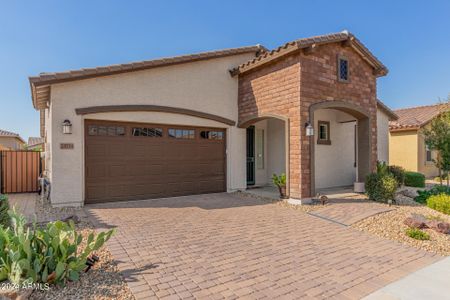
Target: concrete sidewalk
<point>432,282</point>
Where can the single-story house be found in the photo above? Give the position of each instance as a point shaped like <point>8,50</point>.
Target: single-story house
<point>35,143</point>
<point>407,146</point>
<point>215,121</point>
<point>10,141</point>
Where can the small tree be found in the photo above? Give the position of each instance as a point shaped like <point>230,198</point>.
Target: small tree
<point>437,137</point>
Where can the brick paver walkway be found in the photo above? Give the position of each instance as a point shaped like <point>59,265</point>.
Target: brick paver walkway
<point>349,211</point>
<point>222,247</point>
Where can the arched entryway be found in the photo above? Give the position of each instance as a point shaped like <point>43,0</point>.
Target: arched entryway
<point>267,149</point>
<point>341,146</point>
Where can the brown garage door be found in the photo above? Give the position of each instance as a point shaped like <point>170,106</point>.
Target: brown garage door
<point>127,161</point>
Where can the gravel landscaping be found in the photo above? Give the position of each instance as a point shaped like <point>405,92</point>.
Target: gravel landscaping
<point>103,281</point>
<point>390,225</point>
<point>284,203</point>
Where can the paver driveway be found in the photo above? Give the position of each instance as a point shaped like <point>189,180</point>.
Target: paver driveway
<point>222,246</point>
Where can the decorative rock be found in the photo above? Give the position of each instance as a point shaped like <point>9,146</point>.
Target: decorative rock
<point>15,294</point>
<point>74,218</point>
<point>416,221</point>
<point>438,226</point>
<point>401,199</point>
<point>410,192</point>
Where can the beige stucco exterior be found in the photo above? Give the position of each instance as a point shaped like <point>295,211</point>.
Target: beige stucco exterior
<point>11,143</point>
<point>383,136</point>
<point>425,167</point>
<point>403,148</point>
<point>407,149</point>
<point>335,163</point>
<point>204,86</point>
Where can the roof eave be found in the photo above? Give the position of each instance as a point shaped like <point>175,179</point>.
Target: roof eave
<point>390,113</point>
<point>61,77</point>
<point>404,128</point>
<point>379,69</point>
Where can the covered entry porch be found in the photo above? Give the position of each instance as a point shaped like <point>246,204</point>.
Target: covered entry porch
<point>267,150</point>
<point>340,147</point>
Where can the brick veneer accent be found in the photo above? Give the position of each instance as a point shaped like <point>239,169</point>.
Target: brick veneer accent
<point>275,89</point>
<point>289,86</point>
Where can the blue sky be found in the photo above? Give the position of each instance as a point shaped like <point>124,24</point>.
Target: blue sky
<point>412,38</point>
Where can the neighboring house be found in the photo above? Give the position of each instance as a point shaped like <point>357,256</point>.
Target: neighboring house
<point>406,142</point>
<point>35,143</point>
<point>10,141</point>
<point>214,121</point>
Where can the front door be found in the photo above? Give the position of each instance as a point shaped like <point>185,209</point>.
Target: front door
<point>251,155</point>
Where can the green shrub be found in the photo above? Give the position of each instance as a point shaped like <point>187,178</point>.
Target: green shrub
<point>398,173</point>
<point>435,190</point>
<point>417,234</point>
<point>4,207</point>
<point>280,180</point>
<point>44,255</point>
<point>381,187</point>
<point>443,177</point>
<point>440,203</point>
<point>382,168</point>
<point>414,179</point>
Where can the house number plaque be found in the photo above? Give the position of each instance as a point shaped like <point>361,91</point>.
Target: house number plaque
<point>66,146</point>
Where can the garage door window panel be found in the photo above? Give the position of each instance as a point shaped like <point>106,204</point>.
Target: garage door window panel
<point>95,130</point>
<point>212,135</point>
<point>180,133</point>
<point>148,132</point>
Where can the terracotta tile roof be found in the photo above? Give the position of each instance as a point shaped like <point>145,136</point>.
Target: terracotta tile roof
<point>391,114</point>
<point>40,85</point>
<point>312,42</point>
<point>33,141</point>
<point>6,133</point>
<point>416,117</point>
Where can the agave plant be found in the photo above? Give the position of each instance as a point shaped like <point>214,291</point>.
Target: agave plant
<point>47,255</point>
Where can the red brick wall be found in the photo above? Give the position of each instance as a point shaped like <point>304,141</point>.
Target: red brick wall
<point>319,83</point>
<point>289,86</point>
<point>275,89</point>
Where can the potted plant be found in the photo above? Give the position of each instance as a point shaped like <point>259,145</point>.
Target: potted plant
<point>280,182</point>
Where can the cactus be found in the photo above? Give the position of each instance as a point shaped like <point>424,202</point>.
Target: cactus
<point>44,255</point>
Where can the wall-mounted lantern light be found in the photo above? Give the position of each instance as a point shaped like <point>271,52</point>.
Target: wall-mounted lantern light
<point>67,127</point>
<point>309,129</point>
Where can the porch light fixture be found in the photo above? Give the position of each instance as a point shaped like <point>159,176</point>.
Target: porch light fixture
<point>309,129</point>
<point>67,127</point>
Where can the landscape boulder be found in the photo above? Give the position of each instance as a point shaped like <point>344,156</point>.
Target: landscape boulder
<point>439,226</point>
<point>421,222</point>
<point>416,221</point>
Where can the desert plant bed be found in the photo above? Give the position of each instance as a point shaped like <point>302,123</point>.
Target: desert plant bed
<point>390,225</point>
<point>102,281</point>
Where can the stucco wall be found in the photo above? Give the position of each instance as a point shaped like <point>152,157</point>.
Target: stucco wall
<point>334,164</point>
<point>203,86</point>
<point>403,147</point>
<point>383,136</point>
<point>276,148</point>
<point>426,167</point>
<point>274,156</point>
<point>11,143</point>
<point>48,145</point>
